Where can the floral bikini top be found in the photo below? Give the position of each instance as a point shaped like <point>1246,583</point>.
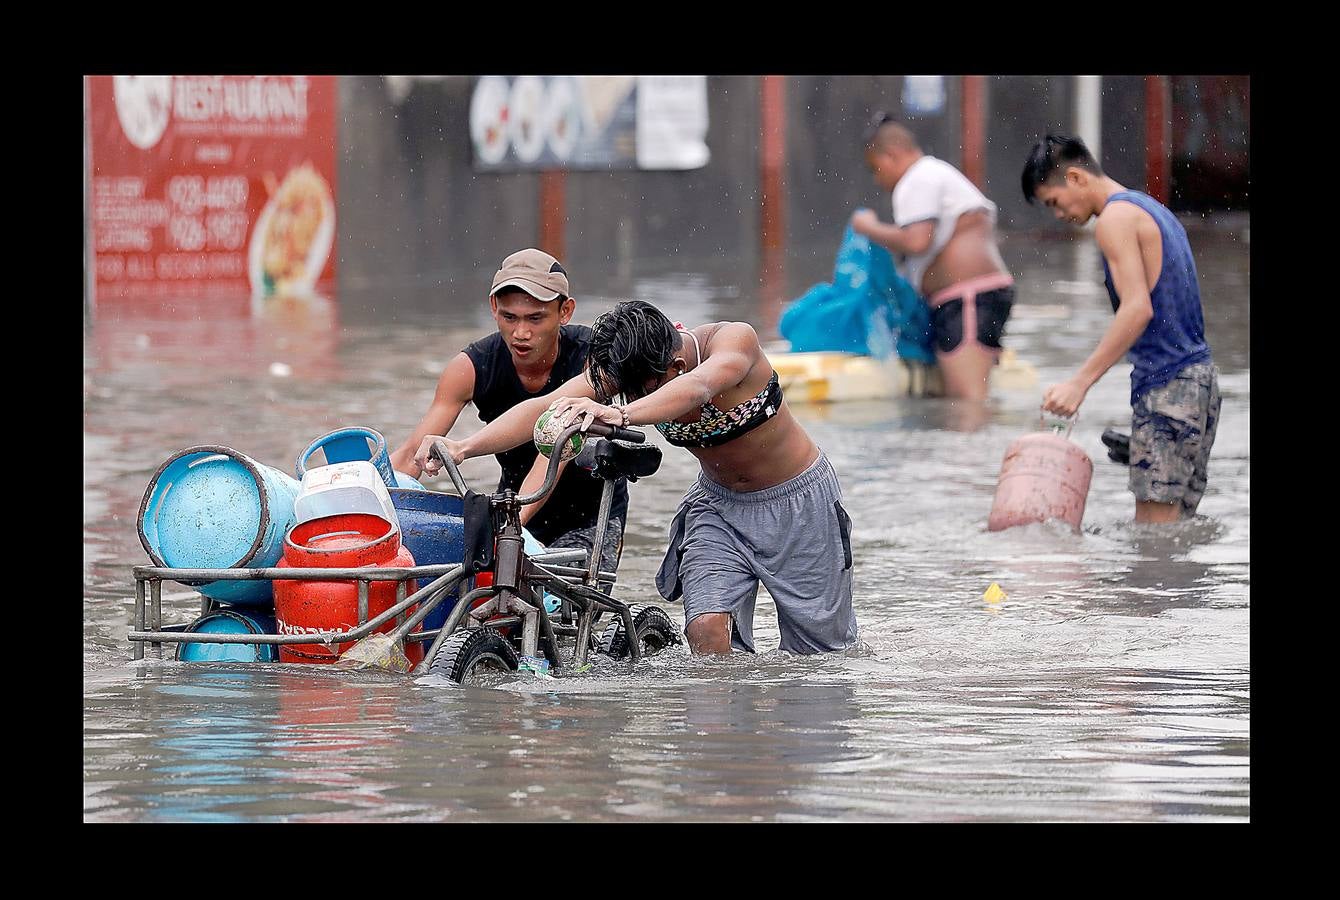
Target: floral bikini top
<point>715,426</point>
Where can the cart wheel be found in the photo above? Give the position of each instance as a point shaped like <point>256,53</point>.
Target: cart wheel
<point>465,652</point>
<point>653,627</point>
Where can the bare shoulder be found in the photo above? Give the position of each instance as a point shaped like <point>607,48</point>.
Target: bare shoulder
<point>1122,216</point>
<point>736,335</point>
<point>460,365</point>
<point>1119,223</point>
<point>1119,214</point>
<point>734,351</point>
<point>458,378</point>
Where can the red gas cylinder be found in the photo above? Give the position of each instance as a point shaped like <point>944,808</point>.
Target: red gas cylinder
<point>482,579</point>
<point>353,540</point>
<point>1043,476</point>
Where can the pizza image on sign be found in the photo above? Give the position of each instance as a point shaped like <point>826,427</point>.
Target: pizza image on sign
<point>527,107</point>
<point>143,107</point>
<point>488,119</point>
<point>564,123</point>
<point>293,236</point>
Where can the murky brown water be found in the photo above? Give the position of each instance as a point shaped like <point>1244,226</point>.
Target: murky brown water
<point>1112,685</point>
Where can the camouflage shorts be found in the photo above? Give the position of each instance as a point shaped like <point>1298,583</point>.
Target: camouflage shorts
<point>1172,431</point>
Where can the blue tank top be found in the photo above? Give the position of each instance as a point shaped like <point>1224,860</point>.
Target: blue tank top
<point>1175,337</point>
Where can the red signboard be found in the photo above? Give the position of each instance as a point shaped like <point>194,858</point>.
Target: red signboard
<point>1211,142</point>
<point>211,186</point>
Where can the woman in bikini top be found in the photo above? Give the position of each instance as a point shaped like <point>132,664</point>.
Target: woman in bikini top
<point>714,393</point>
<point>701,393</point>
<point>715,427</point>
<point>717,395</point>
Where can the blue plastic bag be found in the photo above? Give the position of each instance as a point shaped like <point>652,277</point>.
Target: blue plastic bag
<point>869,308</point>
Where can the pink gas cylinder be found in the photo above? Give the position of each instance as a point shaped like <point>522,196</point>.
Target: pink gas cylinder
<point>1044,476</point>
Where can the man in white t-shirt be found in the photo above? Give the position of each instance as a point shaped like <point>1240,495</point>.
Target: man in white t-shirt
<point>943,238</point>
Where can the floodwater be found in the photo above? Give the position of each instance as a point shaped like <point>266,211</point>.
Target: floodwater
<point>1111,684</point>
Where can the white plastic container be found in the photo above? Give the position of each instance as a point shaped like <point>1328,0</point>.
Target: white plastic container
<point>347,487</point>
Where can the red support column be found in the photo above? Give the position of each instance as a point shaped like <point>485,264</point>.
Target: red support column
<point>974,129</point>
<point>553,212</point>
<point>771,292</point>
<point>772,159</point>
<point>772,200</point>
<point>1158,138</point>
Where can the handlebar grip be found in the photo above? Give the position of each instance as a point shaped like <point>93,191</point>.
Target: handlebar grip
<point>439,449</point>
<point>600,429</point>
<point>630,435</point>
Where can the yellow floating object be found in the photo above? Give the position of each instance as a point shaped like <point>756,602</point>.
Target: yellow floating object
<point>1013,374</point>
<point>826,377</point>
<point>994,594</point>
<point>830,377</point>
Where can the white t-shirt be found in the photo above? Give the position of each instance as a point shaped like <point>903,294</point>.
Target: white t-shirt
<point>933,189</point>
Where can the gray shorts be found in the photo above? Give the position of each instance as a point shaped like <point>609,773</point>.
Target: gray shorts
<point>1172,431</point>
<point>584,538</point>
<point>794,537</point>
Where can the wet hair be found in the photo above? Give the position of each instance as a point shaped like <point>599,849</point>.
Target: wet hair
<point>630,345</point>
<point>884,133</point>
<point>1051,155</point>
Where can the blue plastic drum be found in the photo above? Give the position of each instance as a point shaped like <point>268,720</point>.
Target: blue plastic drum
<point>356,444</point>
<point>229,621</point>
<point>432,526</point>
<point>211,507</point>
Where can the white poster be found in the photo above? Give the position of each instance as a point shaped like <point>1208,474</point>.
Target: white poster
<point>589,122</point>
<point>923,95</point>
<point>672,121</point>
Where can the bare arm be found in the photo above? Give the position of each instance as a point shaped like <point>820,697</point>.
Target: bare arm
<point>915,238</point>
<point>512,429</point>
<point>735,350</point>
<point>1120,243</point>
<point>533,481</point>
<point>455,388</point>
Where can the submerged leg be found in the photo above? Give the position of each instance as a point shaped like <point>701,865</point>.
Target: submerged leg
<point>709,633</point>
<point>1147,511</point>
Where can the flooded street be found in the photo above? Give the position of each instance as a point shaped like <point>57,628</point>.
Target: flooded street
<point>1111,684</point>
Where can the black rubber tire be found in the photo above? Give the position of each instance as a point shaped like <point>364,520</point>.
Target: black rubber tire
<point>463,651</point>
<point>654,628</point>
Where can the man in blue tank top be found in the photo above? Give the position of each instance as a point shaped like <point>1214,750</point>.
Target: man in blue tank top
<point>534,350</point>
<point>1151,279</point>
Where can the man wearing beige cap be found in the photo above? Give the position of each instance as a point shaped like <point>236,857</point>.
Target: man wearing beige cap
<point>533,352</point>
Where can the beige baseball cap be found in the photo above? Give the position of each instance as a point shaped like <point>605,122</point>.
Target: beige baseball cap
<point>535,272</point>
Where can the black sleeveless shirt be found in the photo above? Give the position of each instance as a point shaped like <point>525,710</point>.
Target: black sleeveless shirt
<point>575,502</point>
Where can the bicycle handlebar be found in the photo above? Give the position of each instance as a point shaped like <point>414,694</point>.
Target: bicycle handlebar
<point>439,449</point>
<point>598,429</point>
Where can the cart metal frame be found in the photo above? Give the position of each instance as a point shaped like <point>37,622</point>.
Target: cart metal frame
<point>520,579</point>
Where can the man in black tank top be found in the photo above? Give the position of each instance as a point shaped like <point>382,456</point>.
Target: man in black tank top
<point>533,352</point>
